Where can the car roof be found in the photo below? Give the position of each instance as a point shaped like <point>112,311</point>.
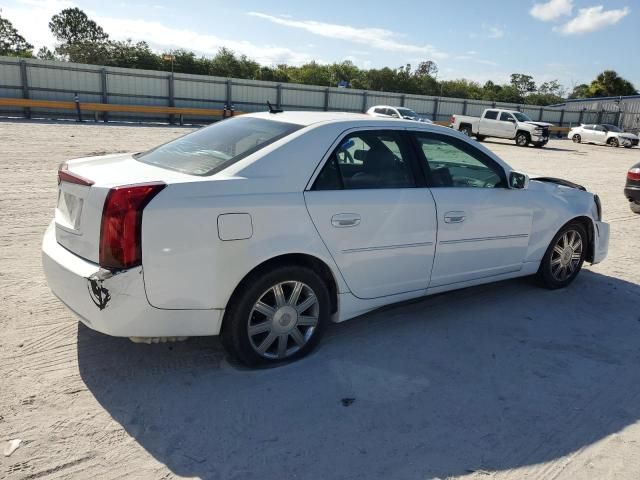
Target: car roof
<point>304,118</point>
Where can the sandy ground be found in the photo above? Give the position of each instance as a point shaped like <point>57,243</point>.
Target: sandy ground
<point>504,381</point>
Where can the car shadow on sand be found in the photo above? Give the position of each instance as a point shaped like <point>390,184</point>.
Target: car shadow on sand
<point>542,149</point>
<point>488,378</point>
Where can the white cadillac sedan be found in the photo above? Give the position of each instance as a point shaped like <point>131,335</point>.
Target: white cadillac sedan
<point>265,227</point>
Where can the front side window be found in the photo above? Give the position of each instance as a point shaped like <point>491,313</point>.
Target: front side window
<point>369,159</point>
<point>521,117</point>
<point>213,148</point>
<point>505,117</point>
<point>491,115</point>
<point>452,162</point>
<point>598,128</point>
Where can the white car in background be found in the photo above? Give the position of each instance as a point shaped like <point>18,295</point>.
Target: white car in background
<point>605,134</point>
<point>387,111</point>
<point>265,227</point>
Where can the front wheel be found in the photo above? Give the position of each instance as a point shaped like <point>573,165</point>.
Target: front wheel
<point>480,138</point>
<point>576,138</point>
<point>564,258</point>
<point>522,139</point>
<point>635,207</point>
<point>614,142</point>
<point>276,316</point>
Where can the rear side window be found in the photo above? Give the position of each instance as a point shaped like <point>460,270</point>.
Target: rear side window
<point>368,160</point>
<point>491,115</point>
<point>213,148</point>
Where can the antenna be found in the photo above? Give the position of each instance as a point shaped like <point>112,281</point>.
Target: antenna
<point>272,109</point>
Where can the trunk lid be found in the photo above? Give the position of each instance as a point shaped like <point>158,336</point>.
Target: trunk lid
<point>78,214</point>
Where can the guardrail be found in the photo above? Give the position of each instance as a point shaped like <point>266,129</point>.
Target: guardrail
<point>97,108</point>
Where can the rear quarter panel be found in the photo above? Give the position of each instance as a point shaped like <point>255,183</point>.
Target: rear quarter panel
<point>186,264</point>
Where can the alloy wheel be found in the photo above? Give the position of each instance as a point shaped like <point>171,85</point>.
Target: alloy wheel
<point>283,320</point>
<point>566,255</point>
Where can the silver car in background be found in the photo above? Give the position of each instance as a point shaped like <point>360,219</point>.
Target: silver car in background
<point>396,112</point>
<point>605,134</point>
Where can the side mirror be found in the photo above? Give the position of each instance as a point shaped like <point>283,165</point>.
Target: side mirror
<point>395,115</point>
<point>518,180</point>
<point>360,155</point>
<point>511,119</point>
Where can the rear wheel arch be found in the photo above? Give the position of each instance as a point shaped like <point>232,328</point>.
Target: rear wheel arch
<point>293,259</point>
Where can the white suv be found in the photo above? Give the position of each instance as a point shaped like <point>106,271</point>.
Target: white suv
<point>396,112</point>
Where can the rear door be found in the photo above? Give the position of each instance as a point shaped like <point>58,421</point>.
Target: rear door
<point>488,123</point>
<point>483,226</point>
<point>377,220</point>
<point>507,125</point>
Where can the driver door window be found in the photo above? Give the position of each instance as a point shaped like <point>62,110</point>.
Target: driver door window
<point>451,162</point>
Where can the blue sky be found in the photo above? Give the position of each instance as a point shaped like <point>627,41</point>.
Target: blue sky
<point>569,40</point>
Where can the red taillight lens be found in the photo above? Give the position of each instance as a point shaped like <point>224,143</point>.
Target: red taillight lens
<point>65,175</point>
<point>121,229</point>
<point>634,174</point>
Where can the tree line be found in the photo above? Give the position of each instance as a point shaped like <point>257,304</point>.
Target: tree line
<point>80,39</point>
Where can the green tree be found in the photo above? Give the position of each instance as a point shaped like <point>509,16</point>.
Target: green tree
<point>610,84</point>
<point>580,91</point>
<point>81,39</point>
<point>523,84</point>
<point>11,42</point>
<point>45,54</point>
<point>132,55</point>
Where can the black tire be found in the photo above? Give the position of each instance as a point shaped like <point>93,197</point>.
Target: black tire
<point>547,273</point>
<point>635,207</point>
<point>539,145</point>
<point>576,138</point>
<point>480,138</point>
<point>466,130</point>
<point>235,327</point>
<point>613,142</point>
<point>522,139</point>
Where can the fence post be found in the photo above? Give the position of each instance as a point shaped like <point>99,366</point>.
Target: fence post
<point>326,99</point>
<point>581,117</point>
<point>364,101</point>
<point>172,98</point>
<point>600,114</point>
<point>105,92</point>
<point>403,98</point>
<point>561,117</point>
<point>436,104</point>
<point>541,114</point>
<point>464,107</point>
<point>493,105</point>
<point>25,86</point>
<point>279,96</point>
<point>228,93</point>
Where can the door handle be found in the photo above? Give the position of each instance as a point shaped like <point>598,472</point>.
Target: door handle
<point>454,217</point>
<point>341,220</point>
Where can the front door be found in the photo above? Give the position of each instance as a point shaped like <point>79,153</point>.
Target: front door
<point>378,225</point>
<point>483,226</point>
<point>506,126</point>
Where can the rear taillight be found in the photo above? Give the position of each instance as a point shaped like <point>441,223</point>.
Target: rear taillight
<point>121,229</point>
<point>634,174</point>
<point>65,175</point>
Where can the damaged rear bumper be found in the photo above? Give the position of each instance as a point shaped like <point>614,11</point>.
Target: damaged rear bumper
<point>115,303</point>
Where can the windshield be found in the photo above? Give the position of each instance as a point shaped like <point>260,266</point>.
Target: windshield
<point>211,149</point>
<point>407,112</point>
<point>521,117</point>
<point>612,128</point>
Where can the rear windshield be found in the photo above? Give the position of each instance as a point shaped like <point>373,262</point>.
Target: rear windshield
<point>213,148</point>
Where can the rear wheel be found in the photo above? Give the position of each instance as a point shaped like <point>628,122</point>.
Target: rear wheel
<point>613,142</point>
<point>522,139</point>
<point>276,316</point>
<point>564,258</point>
<point>466,129</point>
<point>635,207</point>
<point>576,138</point>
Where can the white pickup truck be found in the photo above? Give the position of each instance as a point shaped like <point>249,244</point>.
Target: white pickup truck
<point>499,123</point>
